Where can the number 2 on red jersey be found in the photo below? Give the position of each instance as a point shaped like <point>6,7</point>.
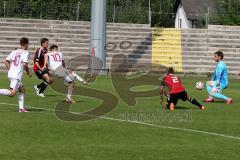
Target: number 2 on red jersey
<point>175,79</point>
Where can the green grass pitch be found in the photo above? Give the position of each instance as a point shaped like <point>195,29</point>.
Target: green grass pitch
<point>213,134</point>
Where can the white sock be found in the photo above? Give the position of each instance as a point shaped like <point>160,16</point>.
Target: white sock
<point>21,100</point>
<point>70,90</point>
<point>77,77</point>
<point>5,92</point>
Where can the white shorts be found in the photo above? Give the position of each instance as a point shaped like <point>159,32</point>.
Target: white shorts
<point>15,84</point>
<point>63,73</point>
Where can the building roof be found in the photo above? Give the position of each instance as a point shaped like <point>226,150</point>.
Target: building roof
<point>194,9</point>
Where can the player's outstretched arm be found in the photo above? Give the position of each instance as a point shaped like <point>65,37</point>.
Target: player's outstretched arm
<point>63,64</point>
<point>161,94</point>
<point>27,70</point>
<point>45,61</point>
<point>7,64</point>
<point>38,66</point>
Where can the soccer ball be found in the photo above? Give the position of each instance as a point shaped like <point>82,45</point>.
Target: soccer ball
<point>199,85</point>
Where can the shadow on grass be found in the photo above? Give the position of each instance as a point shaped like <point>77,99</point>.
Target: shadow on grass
<point>52,95</point>
<point>182,108</point>
<point>37,110</point>
<point>222,102</point>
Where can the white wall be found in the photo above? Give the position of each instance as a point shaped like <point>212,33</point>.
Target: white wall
<point>181,20</point>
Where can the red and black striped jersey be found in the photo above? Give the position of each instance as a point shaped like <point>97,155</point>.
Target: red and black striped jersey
<point>39,57</point>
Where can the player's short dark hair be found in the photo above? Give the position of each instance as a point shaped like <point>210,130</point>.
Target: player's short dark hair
<point>23,41</point>
<point>170,70</point>
<point>43,40</point>
<point>219,54</point>
<point>54,46</point>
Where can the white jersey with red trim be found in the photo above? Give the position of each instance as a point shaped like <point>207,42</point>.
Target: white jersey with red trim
<point>17,59</point>
<point>54,60</point>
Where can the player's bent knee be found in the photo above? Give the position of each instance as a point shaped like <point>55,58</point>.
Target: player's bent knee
<point>22,89</point>
<point>13,93</point>
<point>47,78</point>
<point>209,83</point>
<point>72,84</point>
<point>51,80</point>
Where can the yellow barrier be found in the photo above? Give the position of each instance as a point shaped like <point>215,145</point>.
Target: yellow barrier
<point>166,48</point>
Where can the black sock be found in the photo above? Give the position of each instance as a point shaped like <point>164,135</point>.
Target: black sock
<point>168,105</point>
<point>195,102</point>
<point>44,86</point>
<point>40,85</point>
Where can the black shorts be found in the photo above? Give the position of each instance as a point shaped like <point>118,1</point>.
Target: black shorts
<point>173,98</point>
<point>40,73</point>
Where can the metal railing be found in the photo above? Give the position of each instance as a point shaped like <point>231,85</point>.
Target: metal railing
<point>79,11</point>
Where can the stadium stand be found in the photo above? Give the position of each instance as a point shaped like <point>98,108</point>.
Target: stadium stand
<point>192,50</point>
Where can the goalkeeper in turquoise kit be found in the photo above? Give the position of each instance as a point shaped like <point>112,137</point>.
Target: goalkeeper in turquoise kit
<point>219,80</point>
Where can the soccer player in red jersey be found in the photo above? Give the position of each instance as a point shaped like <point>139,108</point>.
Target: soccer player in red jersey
<point>39,69</point>
<point>176,91</point>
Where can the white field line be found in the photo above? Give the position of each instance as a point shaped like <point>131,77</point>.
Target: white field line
<point>143,123</point>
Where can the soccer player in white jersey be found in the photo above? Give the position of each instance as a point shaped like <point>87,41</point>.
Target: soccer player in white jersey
<point>15,63</point>
<point>54,61</point>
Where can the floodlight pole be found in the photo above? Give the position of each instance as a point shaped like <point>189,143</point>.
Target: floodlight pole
<point>4,8</point>
<point>149,13</point>
<point>78,10</point>
<point>207,18</point>
<point>98,32</point>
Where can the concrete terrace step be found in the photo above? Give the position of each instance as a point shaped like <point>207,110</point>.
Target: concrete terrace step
<point>224,49</point>
<point>207,68</point>
<point>110,34</point>
<point>209,53</point>
<point>209,61</point>
<point>223,32</point>
<point>193,31</point>
<point>57,23</point>
<point>204,71</point>
<point>216,40</point>
<point>194,36</point>
<point>77,45</point>
<point>66,51</point>
<point>9,34</point>
<point>131,51</point>
<point>111,46</point>
<point>76,51</point>
<point>223,27</point>
<point>62,41</point>
<point>211,67</point>
<point>211,44</point>
<point>211,49</point>
<point>68,22</point>
<point>131,60</point>
<point>193,49</point>
<point>224,36</point>
<point>196,40</point>
<point>224,45</point>
<point>37,44</point>
<point>52,30</point>
<point>46,26</point>
<point>70,28</point>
